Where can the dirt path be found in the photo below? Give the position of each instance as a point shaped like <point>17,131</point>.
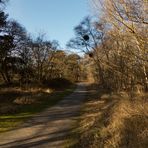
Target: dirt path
<point>48,129</point>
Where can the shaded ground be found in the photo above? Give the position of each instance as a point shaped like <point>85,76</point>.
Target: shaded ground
<point>13,114</point>
<point>49,128</point>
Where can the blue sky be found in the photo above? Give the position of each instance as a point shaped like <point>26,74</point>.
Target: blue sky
<point>56,18</point>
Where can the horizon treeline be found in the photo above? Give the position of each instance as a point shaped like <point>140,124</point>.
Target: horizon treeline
<point>27,59</point>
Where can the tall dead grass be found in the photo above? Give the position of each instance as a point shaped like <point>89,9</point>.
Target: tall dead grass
<point>115,121</point>
<point>128,125</point>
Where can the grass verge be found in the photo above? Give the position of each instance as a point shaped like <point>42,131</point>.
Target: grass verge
<point>23,112</point>
<point>110,120</point>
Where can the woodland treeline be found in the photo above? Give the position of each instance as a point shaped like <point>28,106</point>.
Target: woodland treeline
<point>116,42</point>
<point>24,59</point>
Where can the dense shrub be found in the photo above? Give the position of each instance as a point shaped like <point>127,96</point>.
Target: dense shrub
<point>58,83</point>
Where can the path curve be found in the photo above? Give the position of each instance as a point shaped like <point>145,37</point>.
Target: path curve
<point>49,128</point>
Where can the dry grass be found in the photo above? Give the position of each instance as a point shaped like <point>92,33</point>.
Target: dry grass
<point>11,97</point>
<point>128,125</point>
<point>17,105</point>
<point>114,121</point>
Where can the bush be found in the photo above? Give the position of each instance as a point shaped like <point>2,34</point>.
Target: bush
<point>58,83</point>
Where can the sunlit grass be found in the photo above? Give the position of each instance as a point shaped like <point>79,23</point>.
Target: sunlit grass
<point>112,121</point>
